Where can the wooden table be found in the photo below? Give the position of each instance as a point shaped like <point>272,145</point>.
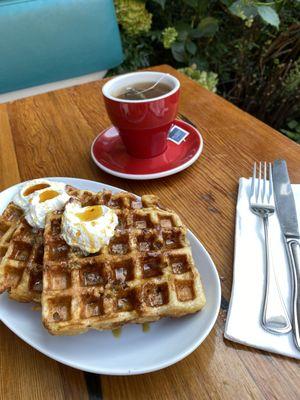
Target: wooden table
<point>50,135</point>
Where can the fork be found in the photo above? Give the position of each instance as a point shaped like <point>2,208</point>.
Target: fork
<point>275,318</point>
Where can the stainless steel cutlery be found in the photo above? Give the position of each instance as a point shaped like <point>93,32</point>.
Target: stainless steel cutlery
<point>286,211</point>
<point>275,318</point>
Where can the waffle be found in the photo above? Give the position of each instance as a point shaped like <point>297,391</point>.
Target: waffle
<point>21,267</point>
<point>145,273</point>
<point>8,224</point>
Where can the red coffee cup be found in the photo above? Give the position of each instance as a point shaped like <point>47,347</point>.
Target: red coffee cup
<point>143,125</point>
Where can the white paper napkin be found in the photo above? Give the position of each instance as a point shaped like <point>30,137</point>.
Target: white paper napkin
<point>244,314</point>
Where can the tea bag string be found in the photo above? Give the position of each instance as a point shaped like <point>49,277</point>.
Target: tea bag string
<point>149,88</point>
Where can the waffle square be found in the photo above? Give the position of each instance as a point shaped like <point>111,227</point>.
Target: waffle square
<point>145,273</point>
<point>9,221</point>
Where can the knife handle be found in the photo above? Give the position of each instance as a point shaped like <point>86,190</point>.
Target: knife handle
<point>293,246</point>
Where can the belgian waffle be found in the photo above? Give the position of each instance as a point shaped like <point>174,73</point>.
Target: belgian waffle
<point>145,273</point>
<point>21,267</point>
<point>8,223</point>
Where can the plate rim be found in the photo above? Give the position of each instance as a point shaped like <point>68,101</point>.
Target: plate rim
<point>123,372</point>
<point>155,175</point>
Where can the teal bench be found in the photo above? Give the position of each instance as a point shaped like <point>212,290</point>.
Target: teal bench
<point>43,41</point>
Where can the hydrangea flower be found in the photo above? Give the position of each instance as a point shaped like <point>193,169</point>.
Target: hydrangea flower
<point>207,79</point>
<point>133,16</point>
<point>169,35</point>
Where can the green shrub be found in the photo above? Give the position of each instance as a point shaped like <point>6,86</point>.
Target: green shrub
<point>209,80</point>
<point>247,50</point>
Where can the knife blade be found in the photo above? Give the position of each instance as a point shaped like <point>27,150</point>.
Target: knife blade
<point>287,215</point>
<point>285,202</point>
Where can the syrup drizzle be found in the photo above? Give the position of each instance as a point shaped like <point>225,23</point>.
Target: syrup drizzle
<point>117,332</point>
<point>90,213</point>
<point>48,195</point>
<point>146,327</point>
<point>34,188</point>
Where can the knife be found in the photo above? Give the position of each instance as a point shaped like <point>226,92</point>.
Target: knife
<point>286,211</point>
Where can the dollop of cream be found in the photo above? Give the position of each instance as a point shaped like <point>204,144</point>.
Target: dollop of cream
<point>89,228</point>
<point>43,202</point>
<point>24,197</point>
<point>39,197</point>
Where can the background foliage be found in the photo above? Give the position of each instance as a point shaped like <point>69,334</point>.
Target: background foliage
<point>246,50</point>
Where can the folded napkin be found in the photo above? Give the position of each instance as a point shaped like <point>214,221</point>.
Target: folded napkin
<point>245,309</point>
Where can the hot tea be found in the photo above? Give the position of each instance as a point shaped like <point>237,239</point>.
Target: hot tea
<point>142,106</point>
<point>142,91</point>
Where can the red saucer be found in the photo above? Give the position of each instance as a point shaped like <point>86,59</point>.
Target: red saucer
<point>109,153</point>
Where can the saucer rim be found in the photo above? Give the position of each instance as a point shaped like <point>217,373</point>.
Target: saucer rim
<point>155,175</point>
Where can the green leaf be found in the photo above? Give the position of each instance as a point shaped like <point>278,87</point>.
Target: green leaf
<point>162,3</point>
<point>178,51</point>
<point>183,30</point>
<point>182,36</point>
<point>195,34</point>
<point>182,26</point>
<point>208,27</point>
<point>269,15</point>
<point>242,10</point>
<point>191,48</point>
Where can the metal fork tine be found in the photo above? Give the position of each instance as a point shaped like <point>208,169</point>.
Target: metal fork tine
<point>270,184</point>
<point>265,183</point>
<point>253,180</point>
<point>259,182</point>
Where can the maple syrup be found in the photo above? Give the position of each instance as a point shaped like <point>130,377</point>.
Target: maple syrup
<point>48,195</point>
<point>146,327</point>
<point>34,188</point>
<point>90,213</point>
<point>117,332</point>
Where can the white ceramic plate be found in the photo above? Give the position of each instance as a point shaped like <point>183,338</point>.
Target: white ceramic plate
<point>134,352</point>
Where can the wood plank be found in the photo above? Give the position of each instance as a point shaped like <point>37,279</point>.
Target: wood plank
<point>9,171</point>
<point>52,135</point>
<point>26,373</point>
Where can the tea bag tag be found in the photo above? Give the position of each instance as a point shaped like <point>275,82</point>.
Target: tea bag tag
<point>177,134</point>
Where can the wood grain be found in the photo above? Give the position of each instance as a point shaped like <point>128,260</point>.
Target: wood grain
<point>24,372</point>
<point>9,171</point>
<point>27,374</point>
<point>52,134</point>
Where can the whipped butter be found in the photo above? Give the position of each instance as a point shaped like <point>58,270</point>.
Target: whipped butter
<point>88,228</point>
<point>39,197</point>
